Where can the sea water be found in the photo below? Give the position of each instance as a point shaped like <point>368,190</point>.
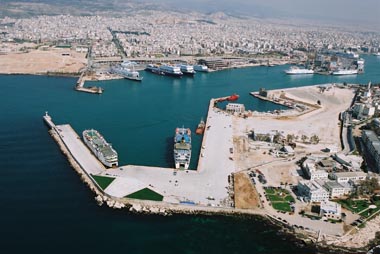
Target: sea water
<point>46,208</point>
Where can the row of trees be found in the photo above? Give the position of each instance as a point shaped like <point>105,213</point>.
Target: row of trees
<point>314,139</point>
<point>290,138</point>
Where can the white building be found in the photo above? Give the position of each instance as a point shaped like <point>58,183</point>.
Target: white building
<point>289,150</point>
<point>235,108</point>
<point>345,177</point>
<point>312,191</point>
<point>336,189</point>
<point>331,210</point>
<point>312,172</point>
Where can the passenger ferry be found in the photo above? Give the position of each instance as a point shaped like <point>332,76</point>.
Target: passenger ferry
<point>187,69</point>
<point>171,70</point>
<point>182,147</point>
<point>100,148</point>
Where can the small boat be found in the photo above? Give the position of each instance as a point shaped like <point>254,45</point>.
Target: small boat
<point>233,97</point>
<point>201,127</point>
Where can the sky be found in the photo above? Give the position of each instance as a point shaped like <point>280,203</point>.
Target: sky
<point>365,12</point>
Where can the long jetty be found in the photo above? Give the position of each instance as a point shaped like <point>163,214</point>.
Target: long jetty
<point>80,86</point>
<point>88,166</point>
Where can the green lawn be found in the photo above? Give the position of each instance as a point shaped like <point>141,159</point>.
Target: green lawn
<point>275,198</point>
<point>355,206</point>
<point>279,199</point>
<point>289,198</point>
<point>103,181</point>
<point>282,206</point>
<point>369,212</point>
<point>146,194</point>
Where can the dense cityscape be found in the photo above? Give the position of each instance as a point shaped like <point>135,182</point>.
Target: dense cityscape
<point>156,34</point>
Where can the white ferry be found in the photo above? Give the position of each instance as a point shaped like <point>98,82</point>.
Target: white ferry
<point>201,68</point>
<point>187,69</point>
<point>99,146</point>
<point>294,70</point>
<point>126,73</point>
<point>171,70</point>
<point>345,72</point>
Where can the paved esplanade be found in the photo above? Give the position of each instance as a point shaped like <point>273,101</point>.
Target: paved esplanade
<point>79,150</point>
<point>207,186</point>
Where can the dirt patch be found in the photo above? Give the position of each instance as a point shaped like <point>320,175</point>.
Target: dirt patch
<point>43,62</point>
<point>246,196</point>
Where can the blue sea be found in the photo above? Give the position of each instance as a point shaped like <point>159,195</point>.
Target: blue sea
<point>45,208</point>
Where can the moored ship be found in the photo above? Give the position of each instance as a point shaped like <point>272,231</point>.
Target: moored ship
<point>187,69</point>
<point>233,97</point>
<point>171,70</point>
<point>126,73</point>
<point>345,72</point>
<point>99,146</point>
<point>154,68</point>
<point>182,148</point>
<point>201,127</point>
<point>201,68</point>
<point>294,70</point>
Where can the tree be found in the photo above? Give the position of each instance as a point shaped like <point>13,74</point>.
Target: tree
<point>368,186</point>
<point>290,138</point>
<point>276,138</point>
<point>314,139</point>
<point>304,138</point>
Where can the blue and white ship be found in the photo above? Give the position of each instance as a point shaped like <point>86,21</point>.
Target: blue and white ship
<point>182,148</point>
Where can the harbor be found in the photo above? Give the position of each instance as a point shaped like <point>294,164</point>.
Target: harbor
<point>177,187</point>
<point>221,157</point>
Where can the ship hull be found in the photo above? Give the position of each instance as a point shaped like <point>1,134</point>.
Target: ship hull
<point>188,73</point>
<point>133,78</point>
<point>176,75</point>
<point>155,71</point>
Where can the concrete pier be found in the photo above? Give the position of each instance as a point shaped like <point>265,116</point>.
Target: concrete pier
<point>208,186</point>
<point>80,86</point>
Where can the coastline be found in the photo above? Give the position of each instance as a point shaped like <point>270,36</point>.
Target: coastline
<point>164,208</point>
<point>302,237</point>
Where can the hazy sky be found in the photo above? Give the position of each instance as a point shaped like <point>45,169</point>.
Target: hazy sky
<point>361,11</point>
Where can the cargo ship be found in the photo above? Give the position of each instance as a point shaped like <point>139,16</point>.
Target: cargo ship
<point>182,147</point>
<point>100,148</point>
<point>201,127</point>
